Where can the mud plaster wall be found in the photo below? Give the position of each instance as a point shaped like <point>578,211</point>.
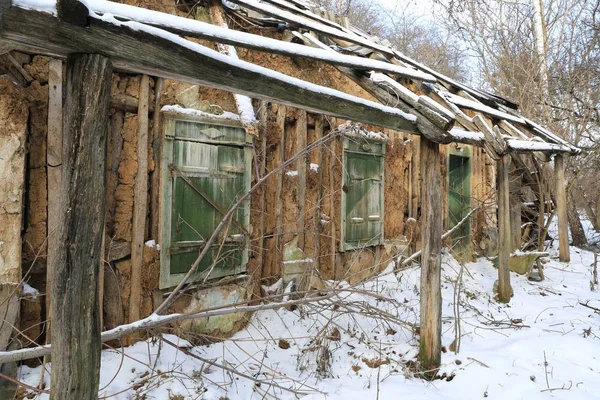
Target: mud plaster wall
<point>322,204</point>
<point>13,118</point>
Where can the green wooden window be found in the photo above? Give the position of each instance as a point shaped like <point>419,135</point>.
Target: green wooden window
<point>205,170</point>
<point>362,193</point>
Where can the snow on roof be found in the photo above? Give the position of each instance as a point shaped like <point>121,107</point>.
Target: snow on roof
<point>299,13</point>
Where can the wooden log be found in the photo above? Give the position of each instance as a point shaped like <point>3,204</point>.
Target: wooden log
<point>301,137</point>
<point>169,56</point>
<point>75,307</point>
<point>140,190</point>
<point>125,102</point>
<point>564,254</point>
<point>504,236</point>
<point>431,260</point>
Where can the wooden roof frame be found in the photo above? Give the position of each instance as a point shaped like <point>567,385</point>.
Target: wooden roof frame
<point>145,49</point>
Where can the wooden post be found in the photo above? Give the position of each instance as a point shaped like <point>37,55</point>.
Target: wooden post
<point>561,209</point>
<point>504,237</point>
<point>431,260</point>
<point>75,308</point>
<point>154,141</point>
<point>140,190</point>
<point>54,161</point>
<point>301,132</point>
<point>281,112</point>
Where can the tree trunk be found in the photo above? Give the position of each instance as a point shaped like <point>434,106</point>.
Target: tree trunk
<point>504,245</point>
<point>431,259</point>
<point>577,233</point>
<point>74,305</point>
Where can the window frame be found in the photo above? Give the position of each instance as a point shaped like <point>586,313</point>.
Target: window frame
<point>349,147</point>
<point>170,119</point>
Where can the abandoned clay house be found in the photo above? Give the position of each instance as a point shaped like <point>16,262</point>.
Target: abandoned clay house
<point>182,149</point>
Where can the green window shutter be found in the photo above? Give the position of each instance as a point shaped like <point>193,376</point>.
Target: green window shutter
<point>215,176</point>
<point>363,194</point>
<point>459,198</point>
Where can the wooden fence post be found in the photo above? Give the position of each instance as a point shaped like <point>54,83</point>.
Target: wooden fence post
<point>75,303</point>
<point>504,236</point>
<point>561,209</point>
<point>431,258</point>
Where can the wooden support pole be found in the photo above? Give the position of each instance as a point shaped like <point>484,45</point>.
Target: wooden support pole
<point>504,236</point>
<point>54,161</point>
<point>561,209</point>
<point>140,191</point>
<point>431,260</point>
<point>75,298</point>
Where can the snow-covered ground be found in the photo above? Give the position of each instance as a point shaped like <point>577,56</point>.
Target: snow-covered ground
<point>544,344</point>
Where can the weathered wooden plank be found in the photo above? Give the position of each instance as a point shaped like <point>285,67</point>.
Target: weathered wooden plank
<point>53,161</point>
<point>504,237</point>
<point>75,307</point>
<point>431,259</point>
<point>561,210</point>
<point>172,57</point>
<point>72,11</point>
<point>140,193</point>
<point>301,137</point>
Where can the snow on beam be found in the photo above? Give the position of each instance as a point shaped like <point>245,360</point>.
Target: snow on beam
<point>139,48</point>
<point>203,30</point>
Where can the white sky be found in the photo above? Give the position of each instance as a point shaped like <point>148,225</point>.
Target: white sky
<point>418,7</point>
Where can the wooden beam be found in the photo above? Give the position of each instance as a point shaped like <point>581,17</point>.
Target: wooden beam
<point>431,260</point>
<point>72,11</point>
<point>561,210</point>
<point>75,293</point>
<point>504,237</point>
<point>138,231</point>
<point>142,50</point>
